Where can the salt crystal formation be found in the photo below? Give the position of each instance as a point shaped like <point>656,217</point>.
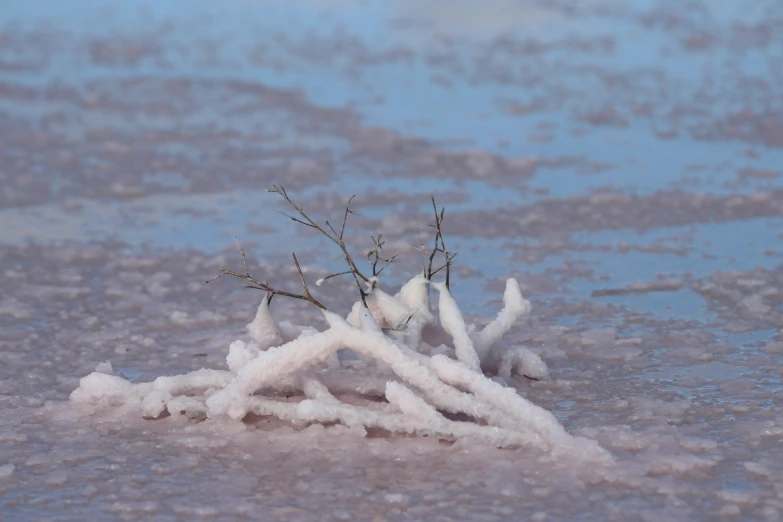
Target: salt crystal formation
<point>373,369</point>
<point>393,384</point>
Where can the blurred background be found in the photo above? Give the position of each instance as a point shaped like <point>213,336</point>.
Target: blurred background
<point>627,137</point>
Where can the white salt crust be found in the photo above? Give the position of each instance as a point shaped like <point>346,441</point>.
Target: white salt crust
<point>401,384</point>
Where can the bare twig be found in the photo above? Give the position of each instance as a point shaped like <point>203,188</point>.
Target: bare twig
<point>239,247</point>
<point>387,262</point>
<point>301,276</point>
<point>321,281</point>
<point>440,245</point>
<point>449,262</point>
<point>334,236</point>
<point>345,216</point>
<point>446,254</point>
<point>259,285</point>
<point>435,248</point>
<point>423,249</point>
<point>362,293</point>
<point>374,255</point>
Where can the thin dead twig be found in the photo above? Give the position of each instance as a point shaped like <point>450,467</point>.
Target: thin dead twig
<point>321,281</point>
<point>437,235</point>
<point>440,245</point>
<point>374,255</point>
<point>449,262</point>
<point>362,293</point>
<point>259,285</point>
<point>423,249</point>
<point>334,236</point>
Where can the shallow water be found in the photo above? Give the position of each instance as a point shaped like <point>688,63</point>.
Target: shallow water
<point>621,159</point>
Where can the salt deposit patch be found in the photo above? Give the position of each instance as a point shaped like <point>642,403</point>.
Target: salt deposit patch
<point>299,366</point>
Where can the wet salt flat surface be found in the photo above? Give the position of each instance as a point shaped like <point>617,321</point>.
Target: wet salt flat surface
<point>622,160</point>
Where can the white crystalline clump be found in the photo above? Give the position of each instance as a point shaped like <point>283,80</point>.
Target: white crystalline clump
<point>415,294</point>
<point>372,303</point>
<point>151,399</point>
<point>385,376</point>
<point>353,317</point>
<point>99,386</point>
<point>290,331</point>
<point>367,321</point>
<point>167,388</point>
<point>263,330</point>
<point>527,363</point>
<point>514,362</point>
<point>239,354</point>
<point>392,310</point>
<point>272,366</point>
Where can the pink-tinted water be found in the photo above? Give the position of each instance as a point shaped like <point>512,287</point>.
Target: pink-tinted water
<point>621,159</point>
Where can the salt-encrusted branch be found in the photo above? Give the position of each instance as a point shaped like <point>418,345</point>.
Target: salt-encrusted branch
<point>314,389</point>
<point>432,384</point>
<point>271,366</point>
<point>292,357</point>
<point>166,387</point>
<point>151,398</point>
<point>376,345</point>
<point>511,403</point>
<point>286,411</point>
<point>417,408</point>
<point>419,382</point>
<point>290,331</point>
<point>316,411</point>
<point>454,324</point>
<point>514,307</point>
